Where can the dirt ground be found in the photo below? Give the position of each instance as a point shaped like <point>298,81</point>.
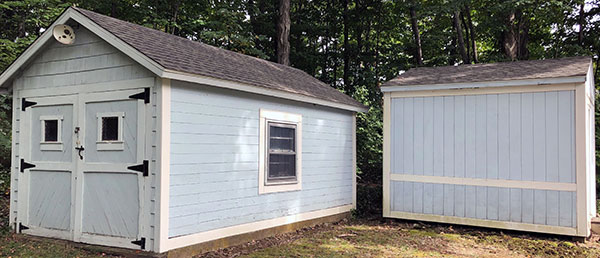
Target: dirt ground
<point>355,238</point>
<point>394,238</point>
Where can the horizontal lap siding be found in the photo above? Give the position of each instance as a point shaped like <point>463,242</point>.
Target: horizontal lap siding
<point>214,159</point>
<point>89,60</point>
<point>519,136</point>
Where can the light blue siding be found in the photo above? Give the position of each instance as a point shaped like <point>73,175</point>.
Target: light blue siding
<point>214,159</point>
<point>491,203</point>
<point>518,136</point>
<point>89,60</point>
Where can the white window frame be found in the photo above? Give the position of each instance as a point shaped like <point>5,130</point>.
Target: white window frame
<point>267,116</point>
<point>51,146</point>
<point>110,145</point>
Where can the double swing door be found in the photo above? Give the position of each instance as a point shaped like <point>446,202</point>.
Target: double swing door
<point>82,167</point>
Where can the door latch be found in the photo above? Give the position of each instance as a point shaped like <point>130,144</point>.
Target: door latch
<point>80,149</point>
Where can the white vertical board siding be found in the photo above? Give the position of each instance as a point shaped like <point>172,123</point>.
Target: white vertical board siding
<point>214,159</point>
<point>516,136</point>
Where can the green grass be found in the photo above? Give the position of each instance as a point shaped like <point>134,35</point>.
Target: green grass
<point>373,239</point>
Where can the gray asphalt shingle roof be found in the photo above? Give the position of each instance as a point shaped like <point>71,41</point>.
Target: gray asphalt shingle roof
<point>503,71</point>
<point>184,55</point>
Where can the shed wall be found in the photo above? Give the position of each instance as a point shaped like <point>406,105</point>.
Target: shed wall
<point>88,62</point>
<point>517,136</point>
<point>214,159</point>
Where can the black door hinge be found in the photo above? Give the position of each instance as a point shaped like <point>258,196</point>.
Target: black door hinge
<point>140,168</point>
<point>141,242</point>
<point>25,104</point>
<point>25,165</point>
<point>22,227</point>
<point>142,95</point>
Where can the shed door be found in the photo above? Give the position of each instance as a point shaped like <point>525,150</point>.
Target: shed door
<point>47,167</point>
<point>111,167</point>
<point>83,166</point>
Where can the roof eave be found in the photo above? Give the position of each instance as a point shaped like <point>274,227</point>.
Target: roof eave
<point>484,84</point>
<point>194,78</point>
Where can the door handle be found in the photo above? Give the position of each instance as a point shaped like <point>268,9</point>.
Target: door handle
<point>80,149</point>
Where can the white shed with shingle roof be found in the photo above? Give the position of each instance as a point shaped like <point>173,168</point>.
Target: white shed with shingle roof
<point>134,138</point>
<point>505,145</point>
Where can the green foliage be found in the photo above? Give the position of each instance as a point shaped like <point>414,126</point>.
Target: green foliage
<point>354,46</point>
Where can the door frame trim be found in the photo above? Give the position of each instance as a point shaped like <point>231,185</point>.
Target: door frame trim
<point>144,129</point>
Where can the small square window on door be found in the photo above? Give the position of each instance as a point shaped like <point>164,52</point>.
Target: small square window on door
<point>51,130</point>
<point>110,131</point>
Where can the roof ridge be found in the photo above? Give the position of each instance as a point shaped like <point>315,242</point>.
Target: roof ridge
<point>500,71</point>
<point>504,62</point>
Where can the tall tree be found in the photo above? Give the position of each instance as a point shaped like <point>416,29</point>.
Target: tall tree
<point>283,33</point>
<point>416,35</point>
<point>581,23</point>
<point>459,37</point>
<point>472,32</point>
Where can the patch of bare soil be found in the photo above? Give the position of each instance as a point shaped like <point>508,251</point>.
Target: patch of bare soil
<point>277,240</point>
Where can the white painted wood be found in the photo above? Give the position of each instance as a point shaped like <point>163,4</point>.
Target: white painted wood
<point>183,241</point>
<point>483,91</point>
<point>386,152</point>
<point>485,182</point>
<point>485,223</point>
<point>175,75</point>
<point>544,82</point>
<point>583,227</point>
<point>164,144</point>
<point>354,170</point>
<point>267,116</point>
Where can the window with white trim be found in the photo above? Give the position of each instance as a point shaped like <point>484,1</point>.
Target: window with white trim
<point>51,130</point>
<point>110,131</point>
<point>281,155</point>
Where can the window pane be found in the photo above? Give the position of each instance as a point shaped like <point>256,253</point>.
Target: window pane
<point>281,138</point>
<point>281,166</point>
<point>50,130</point>
<point>110,128</point>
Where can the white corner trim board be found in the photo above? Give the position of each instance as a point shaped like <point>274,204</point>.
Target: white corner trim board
<point>387,158</point>
<point>183,241</point>
<point>472,85</point>
<point>164,163</point>
<point>485,223</point>
<point>537,185</point>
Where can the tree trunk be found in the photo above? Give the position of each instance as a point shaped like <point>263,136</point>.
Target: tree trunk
<point>417,36</point>
<point>346,75</point>
<point>467,33</point>
<point>581,24</point>
<point>509,37</point>
<point>459,38</point>
<point>523,39</point>
<point>472,30</point>
<point>283,33</point>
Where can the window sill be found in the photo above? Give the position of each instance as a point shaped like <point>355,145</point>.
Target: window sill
<point>110,146</point>
<point>51,146</point>
<point>276,188</point>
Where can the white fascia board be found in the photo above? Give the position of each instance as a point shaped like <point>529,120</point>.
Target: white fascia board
<point>472,85</point>
<point>88,24</point>
<point>187,77</point>
<point>119,44</point>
